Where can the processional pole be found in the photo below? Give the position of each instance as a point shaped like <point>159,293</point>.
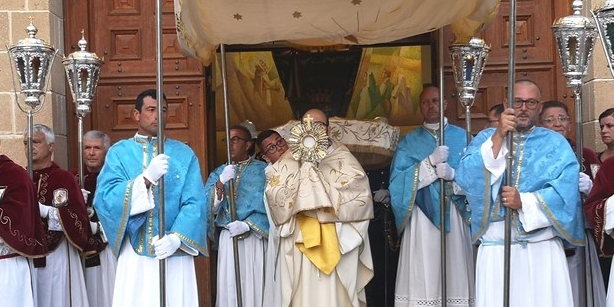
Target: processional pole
<point>161,139</point>
<point>507,241</point>
<point>442,182</point>
<point>575,36</point>
<point>231,189</point>
<point>82,71</point>
<point>31,59</point>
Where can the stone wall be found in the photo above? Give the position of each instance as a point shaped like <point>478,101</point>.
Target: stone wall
<point>47,16</point>
<point>597,90</point>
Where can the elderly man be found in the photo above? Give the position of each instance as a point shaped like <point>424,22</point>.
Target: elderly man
<point>99,266</point>
<point>21,234</point>
<point>59,276</point>
<point>321,210</point>
<point>542,196</point>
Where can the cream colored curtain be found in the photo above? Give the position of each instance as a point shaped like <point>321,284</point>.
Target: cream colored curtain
<point>204,24</point>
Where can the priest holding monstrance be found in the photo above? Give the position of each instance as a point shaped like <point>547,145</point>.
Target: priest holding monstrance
<point>320,201</point>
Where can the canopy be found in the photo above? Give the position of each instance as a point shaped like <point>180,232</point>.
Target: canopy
<point>204,24</point>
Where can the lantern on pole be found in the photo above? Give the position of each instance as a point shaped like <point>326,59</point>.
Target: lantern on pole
<point>31,60</point>
<point>83,71</point>
<point>604,17</point>
<point>575,38</point>
<point>468,61</point>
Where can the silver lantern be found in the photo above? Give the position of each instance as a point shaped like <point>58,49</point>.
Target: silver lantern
<point>575,38</point>
<point>604,17</point>
<point>31,60</point>
<point>83,71</point>
<point>468,61</point>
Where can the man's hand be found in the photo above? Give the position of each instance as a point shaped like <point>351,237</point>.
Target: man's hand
<point>228,173</point>
<point>439,155</point>
<point>444,171</point>
<point>585,183</point>
<point>166,246</point>
<point>381,196</point>
<point>158,166</point>
<point>237,228</point>
<point>510,197</point>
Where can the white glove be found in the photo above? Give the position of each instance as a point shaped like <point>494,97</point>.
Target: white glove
<point>439,155</point>
<point>228,173</point>
<point>158,166</point>
<point>445,171</point>
<point>44,209</point>
<point>382,196</point>
<point>85,193</point>
<point>585,184</point>
<point>94,227</point>
<point>237,228</point>
<point>166,246</point>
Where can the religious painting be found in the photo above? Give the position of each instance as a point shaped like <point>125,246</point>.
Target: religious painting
<point>255,91</point>
<point>388,84</point>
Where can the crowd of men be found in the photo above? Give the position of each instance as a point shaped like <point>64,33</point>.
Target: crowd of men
<point>291,231</point>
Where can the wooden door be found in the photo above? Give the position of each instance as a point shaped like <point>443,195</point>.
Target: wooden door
<point>123,34</point>
<point>536,59</point>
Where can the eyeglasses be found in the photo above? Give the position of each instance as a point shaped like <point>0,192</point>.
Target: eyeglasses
<point>235,139</point>
<point>529,103</point>
<point>551,119</point>
<point>274,146</point>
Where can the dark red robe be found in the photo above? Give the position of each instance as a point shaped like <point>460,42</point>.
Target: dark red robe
<point>96,241</point>
<point>603,188</point>
<point>72,211</point>
<point>21,226</point>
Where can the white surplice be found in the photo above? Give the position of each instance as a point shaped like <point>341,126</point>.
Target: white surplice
<point>252,251</point>
<point>15,282</point>
<point>60,282</point>
<point>143,272</point>
<point>100,280</point>
<point>420,285</point>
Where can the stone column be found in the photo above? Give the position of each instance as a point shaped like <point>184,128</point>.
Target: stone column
<point>48,17</point>
<point>597,90</point>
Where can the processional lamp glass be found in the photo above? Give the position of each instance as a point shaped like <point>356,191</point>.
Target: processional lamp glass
<point>468,61</point>
<point>31,60</point>
<point>575,38</point>
<point>604,17</point>
<point>83,71</point>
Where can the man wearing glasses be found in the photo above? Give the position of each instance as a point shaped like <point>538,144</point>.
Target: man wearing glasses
<point>251,226</point>
<point>321,210</point>
<point>543,198</point>
<point>555,115</point>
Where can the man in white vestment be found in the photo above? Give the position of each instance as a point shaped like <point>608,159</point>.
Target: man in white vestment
<point>126,201</point>
<point>419,167</point>
<point>21,234</point>
<point>321,210</point>
<point>99,266</point>
<point>542,196</point>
